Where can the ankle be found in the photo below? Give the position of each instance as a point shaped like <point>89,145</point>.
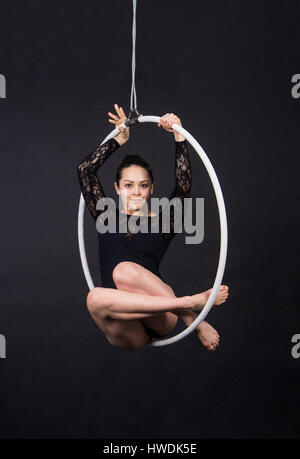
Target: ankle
<point>189,304</point>
<point>188,317</point>
<point>199,301</point>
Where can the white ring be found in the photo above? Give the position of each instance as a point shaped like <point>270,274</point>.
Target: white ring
<point>223,231</point>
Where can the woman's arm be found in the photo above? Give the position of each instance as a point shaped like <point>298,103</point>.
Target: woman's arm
<point>183,180</point>
<point>183,171</point>
<point>91,187</point>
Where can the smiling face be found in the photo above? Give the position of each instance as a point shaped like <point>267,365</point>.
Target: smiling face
<point>135,188</point>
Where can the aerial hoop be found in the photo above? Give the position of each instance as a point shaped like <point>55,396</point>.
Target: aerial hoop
<point>134,118</point>
<point>223,230</point>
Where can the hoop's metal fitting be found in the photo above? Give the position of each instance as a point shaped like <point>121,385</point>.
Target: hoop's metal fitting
<point>132,118</point>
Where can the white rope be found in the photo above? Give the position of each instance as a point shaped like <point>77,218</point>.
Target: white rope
<point>133,90</point>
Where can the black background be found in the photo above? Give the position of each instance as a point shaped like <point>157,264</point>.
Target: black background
<point>225,68</point>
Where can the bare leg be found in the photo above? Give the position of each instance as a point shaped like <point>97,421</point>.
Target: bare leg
<point>118,304</point>
<point>209,337</point>
<point>118,313</point>
<point>132,277</point>
<point>135,278</point>
<point>129,276</point>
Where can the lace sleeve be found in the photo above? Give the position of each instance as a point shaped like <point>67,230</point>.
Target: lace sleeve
<point>183,181</point>
<point>91,187</point>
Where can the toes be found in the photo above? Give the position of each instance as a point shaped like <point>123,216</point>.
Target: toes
<point>213,345</point>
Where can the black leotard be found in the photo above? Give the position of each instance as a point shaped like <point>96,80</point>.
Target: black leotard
<point>146,249</point>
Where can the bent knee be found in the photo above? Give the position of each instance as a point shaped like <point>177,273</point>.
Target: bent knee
<point>125,273</point>
<point>170,290</point>
<point>168,324</point>
<point>96,300</point>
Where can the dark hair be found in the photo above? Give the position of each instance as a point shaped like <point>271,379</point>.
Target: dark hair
<point>133,160</point>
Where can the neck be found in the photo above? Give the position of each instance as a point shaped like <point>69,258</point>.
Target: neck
<point>135,212</point>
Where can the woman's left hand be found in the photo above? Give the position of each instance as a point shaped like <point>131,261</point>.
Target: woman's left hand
<point>119,119</point>
<point>166,122</point>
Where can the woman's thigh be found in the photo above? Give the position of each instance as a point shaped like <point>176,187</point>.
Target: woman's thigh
<point>125,334</point>
<point>132,334</point>
<point>132,277</point>
<point>162,323</point>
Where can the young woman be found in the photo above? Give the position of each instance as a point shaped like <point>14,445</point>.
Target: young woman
<point>134,303</point>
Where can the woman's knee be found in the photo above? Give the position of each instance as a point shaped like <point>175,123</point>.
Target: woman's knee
<point>170,291</point>
<point>96,300</point>
<point>168,323</point>
<point>125,273</point>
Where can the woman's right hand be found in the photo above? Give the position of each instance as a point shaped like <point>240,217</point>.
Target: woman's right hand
<point>118,119</point>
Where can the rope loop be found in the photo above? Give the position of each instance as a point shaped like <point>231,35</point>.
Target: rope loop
<point>133,105</point>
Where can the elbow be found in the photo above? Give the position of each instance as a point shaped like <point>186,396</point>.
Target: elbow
<point>79,171</point>
<point>82,168</point>
<point>187,190</point>
<point>188,193</point>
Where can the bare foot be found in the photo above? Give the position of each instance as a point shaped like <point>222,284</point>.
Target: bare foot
<point>208,336</point>
<point>200,299</point>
